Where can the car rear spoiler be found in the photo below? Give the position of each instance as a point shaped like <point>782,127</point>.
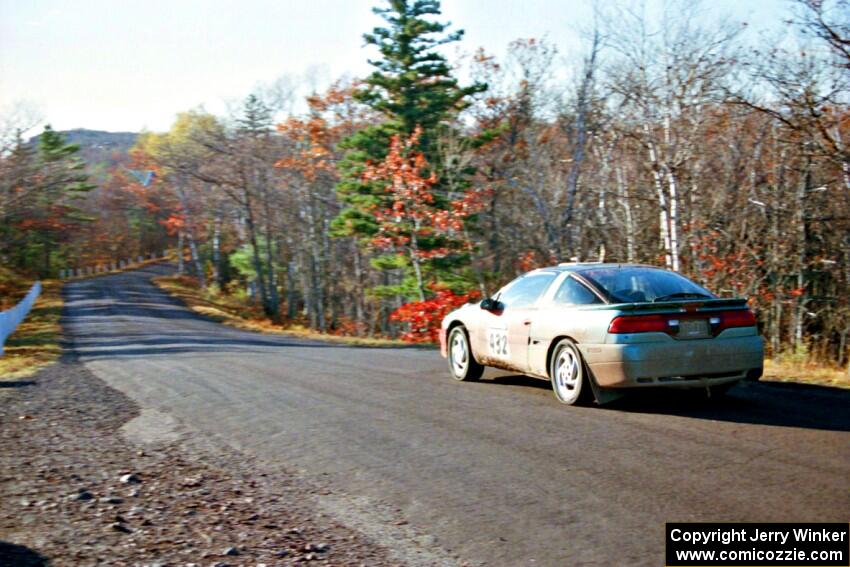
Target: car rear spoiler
<point>700,304</point>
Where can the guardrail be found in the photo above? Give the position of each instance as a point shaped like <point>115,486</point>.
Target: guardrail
<point>106,267</point>
<point>11,318</point>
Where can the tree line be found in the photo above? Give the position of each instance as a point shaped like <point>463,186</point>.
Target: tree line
<point>677,141</point>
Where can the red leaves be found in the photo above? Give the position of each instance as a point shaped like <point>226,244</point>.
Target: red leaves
<point>424,317</point>
<point>411,211</point>
<point>531,260</point>
<point>797,292</point>
<point>53,219</point>
<point>174,223</point>
<point>315,139</point>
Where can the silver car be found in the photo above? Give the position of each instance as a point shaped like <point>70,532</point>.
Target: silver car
<point>596,329</point>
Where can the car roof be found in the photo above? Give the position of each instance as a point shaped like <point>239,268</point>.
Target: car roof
<point>585,266</point>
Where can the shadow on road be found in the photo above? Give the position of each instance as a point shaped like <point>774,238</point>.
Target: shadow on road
<point>20,556</point>
<point>16,383</point>
<point>519,380</point>
<point>762,403</point>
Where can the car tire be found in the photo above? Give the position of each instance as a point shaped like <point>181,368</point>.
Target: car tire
<point>462,364</point>
<point>568,374</point>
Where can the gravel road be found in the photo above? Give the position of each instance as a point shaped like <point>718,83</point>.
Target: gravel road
<point>441,472</point>
<point>75,491</point>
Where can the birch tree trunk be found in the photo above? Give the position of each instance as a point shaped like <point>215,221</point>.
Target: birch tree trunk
<point>359,308</point>
<point>255,250</point>
<point>196,259</point>
<point>674,220</point>
<point>181,267</point>
<point>273,298</point>
<point>218,276</point>
<point>800,228</point>
<point>190,235</point>
<point>663,216</point>
<point>623,194</point>
<point>291,270</point>
<point>414,258</point>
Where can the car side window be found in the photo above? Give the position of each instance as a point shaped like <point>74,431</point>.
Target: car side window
<point>573,292</point>
<point>525,291</point>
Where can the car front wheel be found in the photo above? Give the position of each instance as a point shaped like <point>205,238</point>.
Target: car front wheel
<point>462,364</point>
<point>567,372</point>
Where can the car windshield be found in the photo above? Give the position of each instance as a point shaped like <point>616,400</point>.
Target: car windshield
<point>631,284</point>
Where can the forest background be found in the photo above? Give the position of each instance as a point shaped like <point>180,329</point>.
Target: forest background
<point>669,140</point>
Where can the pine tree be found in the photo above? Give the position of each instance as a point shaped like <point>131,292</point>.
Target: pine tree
<point>412,83</point>
<point>413,88</point>
<point>18,176</point>
<point>46,212</point>
<point>63,181</point>
<point>256,117</point>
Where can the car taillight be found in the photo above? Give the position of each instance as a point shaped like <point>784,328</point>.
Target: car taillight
<point>639,324</point>
<point>670,322</point>
<point>737,318</point>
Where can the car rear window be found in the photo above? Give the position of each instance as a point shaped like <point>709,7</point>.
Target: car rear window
<point>639,285</point>
<point>573,292</point>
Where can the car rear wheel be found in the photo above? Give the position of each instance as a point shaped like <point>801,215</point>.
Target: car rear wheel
<point>462,364</point>
<point>567,373</point>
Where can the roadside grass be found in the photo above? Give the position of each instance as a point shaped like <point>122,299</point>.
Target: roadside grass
<point>35,343</point>
<point>236,312</point>
<point>802,372</point>
<point>13,287</point>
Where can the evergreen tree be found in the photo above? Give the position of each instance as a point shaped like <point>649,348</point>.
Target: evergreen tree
<point>256,117</point>
<point>18,174</point>
<point>413,88</point>
<point>50,214</point>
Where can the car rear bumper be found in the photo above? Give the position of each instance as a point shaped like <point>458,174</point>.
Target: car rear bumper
<point>677,364</point>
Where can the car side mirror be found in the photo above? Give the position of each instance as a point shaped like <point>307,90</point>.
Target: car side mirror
<point>491,304</point>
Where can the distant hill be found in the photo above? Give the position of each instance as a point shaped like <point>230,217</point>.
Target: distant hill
<point>99,149</point>
<point>98,139</point>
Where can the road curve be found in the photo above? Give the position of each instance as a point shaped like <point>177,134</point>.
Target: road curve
<point>494,472</point>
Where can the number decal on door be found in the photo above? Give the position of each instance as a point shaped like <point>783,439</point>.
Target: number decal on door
<point>497,341</point>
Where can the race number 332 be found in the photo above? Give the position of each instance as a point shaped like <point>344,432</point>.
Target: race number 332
<point>497,340</point>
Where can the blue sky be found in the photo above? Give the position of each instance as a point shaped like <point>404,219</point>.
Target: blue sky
<point>131,64</point>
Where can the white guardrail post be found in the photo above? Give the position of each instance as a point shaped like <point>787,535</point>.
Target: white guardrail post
<point>11,318</point>
<point>111,266</point>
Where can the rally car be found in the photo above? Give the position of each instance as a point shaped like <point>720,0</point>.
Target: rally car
<point>596,329</point>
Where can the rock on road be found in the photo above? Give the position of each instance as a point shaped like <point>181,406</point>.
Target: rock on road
<point>495,472</point>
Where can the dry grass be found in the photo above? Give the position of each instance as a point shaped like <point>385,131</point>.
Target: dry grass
<point>805,373</point>
<point>234,312</point>
<point>35,343</point>
<point>13,287</point>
